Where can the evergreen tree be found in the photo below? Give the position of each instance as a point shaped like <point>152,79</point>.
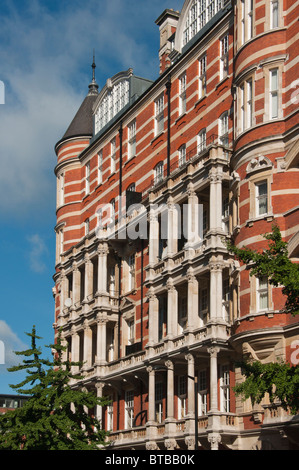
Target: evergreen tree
<point>280,380</point>
<point>55,416</point>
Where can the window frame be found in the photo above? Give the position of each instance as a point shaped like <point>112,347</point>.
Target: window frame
<point>182,94</point>
<point>113,156</point>
<point>223,125</point>
<point>131,272</point>
<point>273,93</point>
<point>202,393</point>
<point>182,396</point>
<point>132,139</point>
<point>87,178</point>
<point>261,291</point>
<point>159,115</point>
<point>224,385</point>
<point>202,76</point>
<point>259,197</point>
<point>182,155</point>
<point>100,167</point>
<point>224,59</point>
<point>129,409</point>
<point>159,173</point>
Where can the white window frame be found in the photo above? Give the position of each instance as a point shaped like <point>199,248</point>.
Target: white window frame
<point>182,313</point>
<point>224,48</point>
<point>159,402</point>
<point>274,14</point>
<point>60,190</point>
<point>159,115</point>
<point>100,167</point>
<point>182,396</point>
<point>274,94</point>
<point>224,389</point>
<point>261,197</point>
<point>225,299</point>
<point>87,178</point>
<point>159,172</point>
<point>204,304</point>
<point>60,241</point>
<point>113,156</point>
<point>182,155</point>
<point>129,409</point>
<point>225,214</point>
<point>200,13</point>
<point>201,140</point>
<point>262,291</point>
<point>111,281</point>
<point>86,227</point>
<point>202,393</point>
<point>110,415</point>
<point>223,129</point>
<point>182,94</point>
<point>131,330</point>
<point>202,73</point>
<point>132,268</point>
<point>132,139</point>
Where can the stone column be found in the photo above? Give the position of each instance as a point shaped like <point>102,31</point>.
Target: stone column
<point>190,385</point>
<point>88,278</point>
<point>191,225</point>
<point>170,390</point>
<point>213,351</point>
<point>192,299</point>
<point>76,284</point>
<point>153,317</point>
<point>87,354</point>
<point>172,309</point>
<point>99,408</point>
<point>215,200</point>
<point>101,340</point>
<point>103,251</point>
<point>153,238</point>
<point>75,349</point>
<point>172,228</point>
<point>151,394</point>
<point>215,290</point>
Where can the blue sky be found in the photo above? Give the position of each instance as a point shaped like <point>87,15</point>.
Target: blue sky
<point>46,52</point>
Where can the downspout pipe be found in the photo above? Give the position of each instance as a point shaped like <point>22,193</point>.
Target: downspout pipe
<point>168,92</point>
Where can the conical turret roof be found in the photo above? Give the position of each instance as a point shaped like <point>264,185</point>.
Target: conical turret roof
<point>82,124</point>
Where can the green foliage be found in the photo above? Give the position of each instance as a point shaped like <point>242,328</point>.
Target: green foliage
<point>56,416</point>
<point>276,265</point>
<point>279,380</point>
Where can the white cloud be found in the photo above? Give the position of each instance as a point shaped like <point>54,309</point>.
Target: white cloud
<point>11,344</point>
<point>45,61</point>
<point>37,251</point>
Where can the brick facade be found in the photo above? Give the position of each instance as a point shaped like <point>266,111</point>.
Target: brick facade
<point>148,315</point>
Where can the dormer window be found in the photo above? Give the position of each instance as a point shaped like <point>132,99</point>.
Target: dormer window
<point>115,98</point>
<point>199,13</point>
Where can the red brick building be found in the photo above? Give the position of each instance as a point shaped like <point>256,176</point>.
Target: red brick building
<point>148,296</point>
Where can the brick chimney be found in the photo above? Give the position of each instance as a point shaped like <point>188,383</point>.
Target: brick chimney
<point>167,23</point>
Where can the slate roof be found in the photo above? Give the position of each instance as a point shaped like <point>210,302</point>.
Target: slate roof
<point>82,124</point>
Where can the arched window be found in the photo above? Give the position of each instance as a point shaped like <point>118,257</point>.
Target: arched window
<point>159,173</point>
<point>200,12</point>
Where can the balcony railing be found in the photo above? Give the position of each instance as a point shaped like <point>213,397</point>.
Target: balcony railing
<point>199,150</point>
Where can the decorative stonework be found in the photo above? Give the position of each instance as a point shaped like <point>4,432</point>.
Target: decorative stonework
<point>258,164</point>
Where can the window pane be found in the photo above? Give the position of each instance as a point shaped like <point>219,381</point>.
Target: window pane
<point>274,105</point>
<point>274,80</point>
